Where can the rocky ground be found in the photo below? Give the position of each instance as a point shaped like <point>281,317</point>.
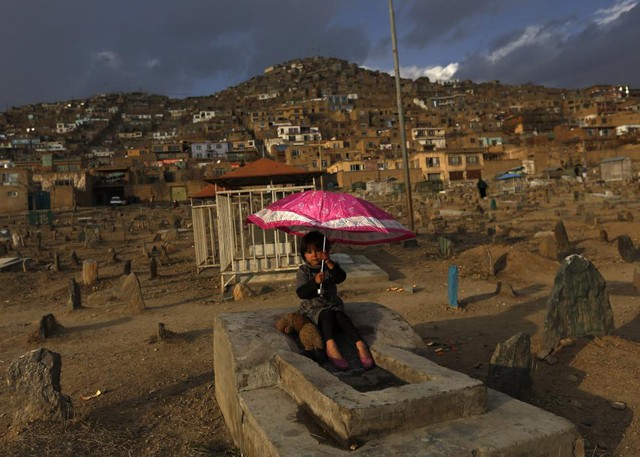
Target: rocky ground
<point>157,397</point>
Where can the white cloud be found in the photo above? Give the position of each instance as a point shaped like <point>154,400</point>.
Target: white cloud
<point>608,15</point>
<point>108,58</point>
<point>531,35</point>
<point>435,73</point>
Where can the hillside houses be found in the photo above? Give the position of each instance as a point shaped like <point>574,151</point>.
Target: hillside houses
<point>321,114</point>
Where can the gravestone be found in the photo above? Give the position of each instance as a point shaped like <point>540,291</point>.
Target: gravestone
<point>510,366</point>
<point>604,236</point>
<point>241,292</point>
<point>636,278</point>
<point>34,385</point>
<point>153,268</point>
<point>626,249</point>
<point>562,239</point>
<point>578,304</point>
<point>132,293</point>
<point>74,259</point>
<point>75,299</point>
<point>89,271</point>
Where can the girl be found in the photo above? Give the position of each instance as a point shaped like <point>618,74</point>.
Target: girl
<point>316,286</point>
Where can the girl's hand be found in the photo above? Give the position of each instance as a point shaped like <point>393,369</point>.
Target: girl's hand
<point>319,278</point>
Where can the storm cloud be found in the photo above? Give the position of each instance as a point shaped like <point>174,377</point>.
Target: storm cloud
<point>76,48</point>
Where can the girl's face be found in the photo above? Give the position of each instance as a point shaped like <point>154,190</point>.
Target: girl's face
<point>313,256</point>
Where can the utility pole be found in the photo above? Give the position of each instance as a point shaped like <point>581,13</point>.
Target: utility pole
<point>320,165</point>
<point>403,133</point>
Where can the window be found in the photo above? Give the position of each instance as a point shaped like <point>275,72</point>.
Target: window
<point>455,176</point>
<point>9,179</point>
<point>472,160</point>
<point>12,194</point>
<point>355,167</point>
<point>454,160</point>
<point>433,162</point>
<point>295,152</point>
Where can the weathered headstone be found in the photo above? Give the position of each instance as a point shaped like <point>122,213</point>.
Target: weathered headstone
<point>604,236</point>
<point>626,249</point>
<point>112,257</point>
<point>89,271</point>
<point>47,326</point>
<point>562,239</point>
<point>74,259</point>
<point>34,385</point>
<point>56,262</point>
<point>153,268</point>
<point>578,304</point>
<point>75,299</point>
<point>636,278</point>
<point>510,366</point>
<point>132,293</point>
<point>242,291</point>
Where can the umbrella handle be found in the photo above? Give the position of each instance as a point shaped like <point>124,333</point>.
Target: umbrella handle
<point>324,246</point>
<point>320,285</point>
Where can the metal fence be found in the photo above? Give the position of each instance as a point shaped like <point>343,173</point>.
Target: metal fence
<point>204,235</point>
<point>242,249</point>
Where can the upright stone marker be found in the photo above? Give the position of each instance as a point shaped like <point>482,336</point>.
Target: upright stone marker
<point>510,366</point>
<point>126,269</point>
<point>562,239</point>
<point>453,286</point>
<point>153,268</point>
<point>34,385</point>
<point>579,303</point>
<point>626,249</point>
<point>89,271</point>
<point>75,300</point>
<point>132,293</point>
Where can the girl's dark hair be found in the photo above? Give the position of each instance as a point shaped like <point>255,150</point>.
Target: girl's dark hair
<point>315,239</point>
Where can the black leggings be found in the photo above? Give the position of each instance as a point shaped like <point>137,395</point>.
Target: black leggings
<point>330,321</point>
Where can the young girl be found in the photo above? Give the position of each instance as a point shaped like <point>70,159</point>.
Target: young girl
<point>320,301</point>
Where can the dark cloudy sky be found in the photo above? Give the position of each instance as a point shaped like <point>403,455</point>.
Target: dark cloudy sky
<point>63,49</point>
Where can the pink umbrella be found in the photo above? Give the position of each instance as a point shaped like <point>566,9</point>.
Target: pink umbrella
<point>341,217</point>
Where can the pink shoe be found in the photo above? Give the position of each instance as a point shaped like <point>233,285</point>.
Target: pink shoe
<point>340,363</point>
<point>367,362</point>
<point>365,358</point>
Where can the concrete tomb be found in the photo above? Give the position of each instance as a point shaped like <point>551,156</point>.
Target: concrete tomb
<point>276,402</point>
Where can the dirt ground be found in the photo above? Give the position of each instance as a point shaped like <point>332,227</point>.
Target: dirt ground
<point>158,397</point>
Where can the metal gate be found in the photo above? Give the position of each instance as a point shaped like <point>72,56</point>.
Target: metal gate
<point>204,235</point>
<point>245,249</point>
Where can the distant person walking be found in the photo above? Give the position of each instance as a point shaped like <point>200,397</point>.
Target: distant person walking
<point>482,188</point>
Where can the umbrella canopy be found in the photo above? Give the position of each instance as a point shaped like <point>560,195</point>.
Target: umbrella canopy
<point>341,217</point>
